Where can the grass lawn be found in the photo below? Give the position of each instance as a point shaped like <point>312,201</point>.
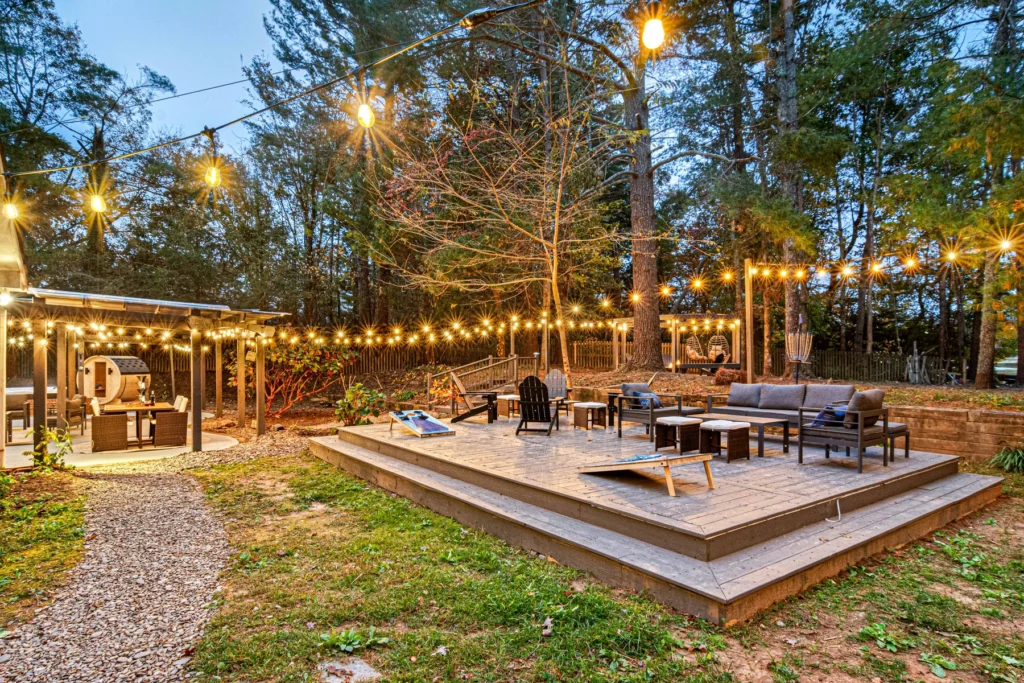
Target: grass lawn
<point>325,563</point>
<point>42,518</point>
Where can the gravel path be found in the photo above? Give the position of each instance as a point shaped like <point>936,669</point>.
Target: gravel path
<point>134,607</point>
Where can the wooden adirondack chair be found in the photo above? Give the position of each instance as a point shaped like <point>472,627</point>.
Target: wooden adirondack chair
<point>476,402</point>
<point>558,392</point>
<point>535,406</point>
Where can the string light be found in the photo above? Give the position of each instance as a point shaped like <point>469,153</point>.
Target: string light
<point>97,203</point>
<point>366,117</point>
<point>653,35</point>
<point>11,211</point>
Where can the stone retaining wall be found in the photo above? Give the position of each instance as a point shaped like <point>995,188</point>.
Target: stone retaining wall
<point>975,434</point>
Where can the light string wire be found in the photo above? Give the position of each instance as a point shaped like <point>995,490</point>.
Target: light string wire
<point>469,21</point>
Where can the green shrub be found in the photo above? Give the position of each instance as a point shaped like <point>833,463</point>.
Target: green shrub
<point>404,395</point>
<point>43,457</point>
<point>1010,459</point>
<point>358,404</point>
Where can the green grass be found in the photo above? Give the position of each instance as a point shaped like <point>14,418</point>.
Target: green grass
<point>41,536</point>
<point>321,558</point>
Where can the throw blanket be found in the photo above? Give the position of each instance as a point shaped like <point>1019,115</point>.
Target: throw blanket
<point>647,398</point>
<point>829,417</point>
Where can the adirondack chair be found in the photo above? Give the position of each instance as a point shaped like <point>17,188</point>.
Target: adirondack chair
<point>535,406</point>
<point>558,393</point>
<point>476,402</point>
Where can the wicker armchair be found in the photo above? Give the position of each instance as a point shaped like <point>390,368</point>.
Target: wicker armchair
<point>170,429</point>
<point>109,433</point>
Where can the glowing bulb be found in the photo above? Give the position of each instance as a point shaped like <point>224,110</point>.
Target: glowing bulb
<point>876,267</point>
<point>635,297</point>
<point>575,309</point>
<point>951,256</point>
<point>605,303</point>
<point>847,271</point>
<point>213,176</point>
<point>698,284</point>
<point>783,273</point>
<point>366,116</point>
<point>800,275</point>
<point>727,276</point>
<point>1006,245</point>
<point>5,298</point>
<point>11,211</point>
<point>97,204</point>
<point>910,262</point>
<point>666,290</point>
<point>653,35</point>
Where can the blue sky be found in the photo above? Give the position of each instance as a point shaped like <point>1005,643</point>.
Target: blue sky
<point>195,43</point>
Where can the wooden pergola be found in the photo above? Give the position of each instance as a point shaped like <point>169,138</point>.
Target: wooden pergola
<point>74,321</point>
<point>676,323</point>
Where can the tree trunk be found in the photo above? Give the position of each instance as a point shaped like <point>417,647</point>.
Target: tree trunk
<point>984,377</point>
<point>646,321</point>
<point>943,316</point>
<point>767,336</point>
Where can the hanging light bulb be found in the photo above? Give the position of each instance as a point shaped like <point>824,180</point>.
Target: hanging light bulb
<point>213,176</point>
<point>97,203</point>
<point>653,35</point>
<point>366,116</point>
<point>11,211</point>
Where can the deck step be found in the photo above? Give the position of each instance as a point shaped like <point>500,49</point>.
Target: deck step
<point>663,531</point>
<point>724,590</point>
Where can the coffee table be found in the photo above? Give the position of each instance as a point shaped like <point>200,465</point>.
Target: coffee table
<point>759,422</point>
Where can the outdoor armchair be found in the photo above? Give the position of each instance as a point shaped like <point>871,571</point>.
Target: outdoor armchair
<point>632,408</point>
<point>858,428</point>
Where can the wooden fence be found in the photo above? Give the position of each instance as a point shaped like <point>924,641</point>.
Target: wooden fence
<point>597,354</point>
<point>864,367</point>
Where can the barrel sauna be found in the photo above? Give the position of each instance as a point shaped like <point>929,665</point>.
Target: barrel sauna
<point>113,379</point>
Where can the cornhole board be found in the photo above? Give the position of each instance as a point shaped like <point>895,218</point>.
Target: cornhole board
<point>662,460</point>
<point>420,423</point>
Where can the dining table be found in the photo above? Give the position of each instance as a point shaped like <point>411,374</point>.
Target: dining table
<point>140,410</point>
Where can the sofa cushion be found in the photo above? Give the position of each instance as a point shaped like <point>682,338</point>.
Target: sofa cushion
<point>873,399</point>
<point>781,396</point>
<point>840,432</point>
<point>744,395</point>
<point>820,395</point>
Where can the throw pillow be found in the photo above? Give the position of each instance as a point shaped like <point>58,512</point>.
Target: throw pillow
<point>830,416</point>
<point>647,399</point>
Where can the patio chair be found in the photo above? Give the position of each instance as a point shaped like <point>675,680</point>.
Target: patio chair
<point>694,351</point>
<point>109,433</point>
<point>718,349</point>
<point>858,428</point>
<point>631,406</point>
<point>476,402</point>
<point>170,429</point>
<point>17,409</point>
<point>558,393</point>
<point>535,406</point>
<point>180,408</point>
<point>74,414</point>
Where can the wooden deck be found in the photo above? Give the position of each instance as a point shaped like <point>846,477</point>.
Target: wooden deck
<point>768,529</point>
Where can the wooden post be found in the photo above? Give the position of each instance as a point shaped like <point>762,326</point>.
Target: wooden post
<point>197,390</point>
<point>736,344</point>
<point>261,388</point>
<point>511,339</point>
<point>3,384</point>
<point>38,380</point>
<point>240,376</point>
<point>72,364</point>
<point>202,376</point>
<point>675,345</point>
<point>615,346</point>
<point>62,377</point>
<point>748,307</point>
<point>218,380</point>
<point>170,357</point>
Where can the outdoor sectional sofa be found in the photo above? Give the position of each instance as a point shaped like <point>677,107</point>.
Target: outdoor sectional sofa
<point>866,423</point>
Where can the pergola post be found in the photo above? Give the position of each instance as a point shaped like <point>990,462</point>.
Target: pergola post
<point>39,348</point>
<point>240,376</point>
<point>62,377</point>
<point>261,388</point>
<point>675,345</point>
<point>3,384</point>
<point>615,345</point>
<point>748,305</point>
<point>202,378</point>
<point>197,391</point>
<point>170,357</point>
<point>72,355</point>
<point>736,343</point>
<point>218,377</point>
